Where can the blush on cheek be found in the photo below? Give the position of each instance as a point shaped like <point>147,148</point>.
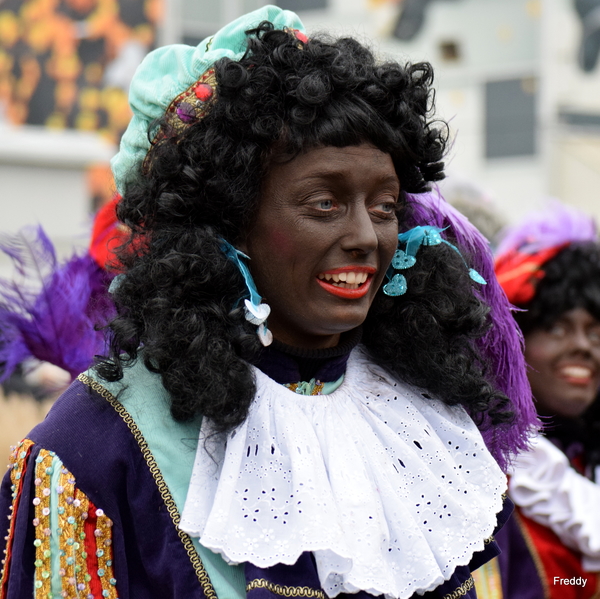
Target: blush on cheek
<point>540,350</point>
<point>282,243</point>
<point>535,356</point>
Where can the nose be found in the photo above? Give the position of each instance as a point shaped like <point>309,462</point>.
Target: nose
<point>360,236</point>
<point>581,341</point>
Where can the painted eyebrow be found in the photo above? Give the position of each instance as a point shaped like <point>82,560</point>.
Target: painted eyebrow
<point>383,180</point>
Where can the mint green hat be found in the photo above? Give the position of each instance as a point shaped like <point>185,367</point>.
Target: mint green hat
<point>171,71</point>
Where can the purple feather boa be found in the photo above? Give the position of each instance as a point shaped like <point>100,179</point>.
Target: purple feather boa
<point>502,345</point>
<point>556,225</point>
<point>51,311</point>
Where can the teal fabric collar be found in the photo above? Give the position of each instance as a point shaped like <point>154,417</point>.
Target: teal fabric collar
<point>314,387</point>
<point>173,445</point>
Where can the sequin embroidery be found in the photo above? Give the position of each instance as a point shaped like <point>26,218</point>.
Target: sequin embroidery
<point>17,466</point>
<point>43,563</point>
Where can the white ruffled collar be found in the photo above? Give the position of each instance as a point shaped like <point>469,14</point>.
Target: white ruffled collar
<point>389,490</point>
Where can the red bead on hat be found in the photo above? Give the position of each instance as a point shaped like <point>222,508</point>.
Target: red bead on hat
<point>300,36</point>
<point>203,92</point>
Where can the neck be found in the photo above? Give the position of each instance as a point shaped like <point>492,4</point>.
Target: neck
<point>288,364</point>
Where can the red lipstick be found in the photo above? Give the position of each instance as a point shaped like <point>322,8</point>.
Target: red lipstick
<point>346,293</point>
<point>334,271</point>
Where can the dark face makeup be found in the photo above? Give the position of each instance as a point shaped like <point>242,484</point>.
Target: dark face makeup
<point>325,233</point>
<point>565,359</point>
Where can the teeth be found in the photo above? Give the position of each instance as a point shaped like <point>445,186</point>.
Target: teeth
<point>346,280</point>
<point>347,285</point>
<point>577,372</point>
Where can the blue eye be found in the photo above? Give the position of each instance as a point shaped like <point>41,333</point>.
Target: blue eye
<point>385,208</point>
<point>594,336</point>
<point>325,204</point>
<point>557,330</point>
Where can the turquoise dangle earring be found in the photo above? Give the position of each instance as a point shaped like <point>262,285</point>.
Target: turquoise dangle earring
<point>403,259</point>
<point>255,311</point>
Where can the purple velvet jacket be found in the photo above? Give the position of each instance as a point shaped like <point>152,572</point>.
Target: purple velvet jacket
<point>151,557</point>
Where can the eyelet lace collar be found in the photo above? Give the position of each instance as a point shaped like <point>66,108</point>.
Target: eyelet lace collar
<point>389,490</point>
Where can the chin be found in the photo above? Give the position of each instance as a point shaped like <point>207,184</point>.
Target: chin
<point>343,325</point>
<point>575,406</point>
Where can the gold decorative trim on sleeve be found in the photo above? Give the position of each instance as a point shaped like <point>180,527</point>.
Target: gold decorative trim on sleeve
<point>43,563</point>
<point>67,529</point>
<point>201,572</point>
<point>78,519</point>
<point>284,591</point>
<point>462,590</point>
<point>17,467</point>
<point>488,582</point>
<point>103,535</point>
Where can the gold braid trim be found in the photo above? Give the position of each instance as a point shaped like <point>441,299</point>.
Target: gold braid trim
<point>16,467</point>
<point>261,583</point>
<point>462,590</point>
<point>201,573</point>
<point>41,501</point>
<point>284,591</point>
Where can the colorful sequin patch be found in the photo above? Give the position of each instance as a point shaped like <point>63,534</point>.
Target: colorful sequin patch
<point>83,536</point>
<point>17,466</point>
<point>41,501</point>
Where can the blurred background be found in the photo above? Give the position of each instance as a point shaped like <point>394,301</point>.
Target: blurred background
<point>517,80</point>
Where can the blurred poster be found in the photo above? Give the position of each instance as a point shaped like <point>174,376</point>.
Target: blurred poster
<point>411,19</point>
<point>68,63</point>
<point>588,12</point>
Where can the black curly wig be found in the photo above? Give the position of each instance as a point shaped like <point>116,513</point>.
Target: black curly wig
<point>179,294</point>
<point>571,280</point>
